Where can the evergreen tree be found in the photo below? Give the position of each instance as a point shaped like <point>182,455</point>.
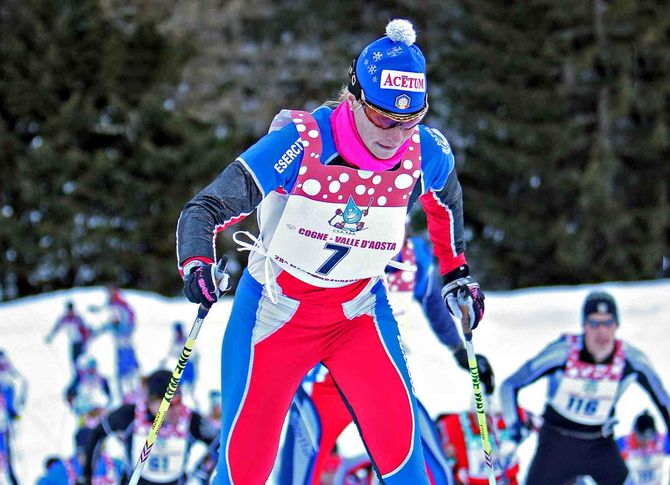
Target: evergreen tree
<point>539,95</point>
<point>100,162</point>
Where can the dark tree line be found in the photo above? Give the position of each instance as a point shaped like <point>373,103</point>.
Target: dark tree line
<point>113,113</point>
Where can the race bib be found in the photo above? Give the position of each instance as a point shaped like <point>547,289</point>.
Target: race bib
<point>585,401</point>
<point>341,225</point>
<point>587,392</point>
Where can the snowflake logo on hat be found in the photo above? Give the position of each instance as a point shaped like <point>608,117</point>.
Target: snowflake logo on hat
<point>376,56</point>
<point>372,68</point>
<point>394,51</point>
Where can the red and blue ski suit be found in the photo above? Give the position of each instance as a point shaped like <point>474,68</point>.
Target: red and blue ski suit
<point>312,291</point>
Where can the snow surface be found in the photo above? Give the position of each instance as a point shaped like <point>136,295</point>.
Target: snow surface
<point>518,324</point>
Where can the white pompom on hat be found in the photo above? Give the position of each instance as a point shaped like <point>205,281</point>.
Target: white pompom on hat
<point>401,30</point>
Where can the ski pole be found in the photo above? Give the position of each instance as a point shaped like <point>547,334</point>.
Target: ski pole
<point>463,296</point>
<point>174,381</point>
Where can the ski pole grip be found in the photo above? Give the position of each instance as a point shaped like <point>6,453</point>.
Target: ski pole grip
<point>463,299</point>
<point>220,269</point>
<point>219,274</point>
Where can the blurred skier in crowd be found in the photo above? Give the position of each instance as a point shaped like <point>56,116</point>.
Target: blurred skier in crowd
<point>644,450</point>
<point>7,474</point>
<point>206,466</point>
<point>13,395</point>
<point>88,394</point>
<point>131,422</point>
<point>108,470</point>
<point>587,375</point>
<point>461,441</point>
<point>121,327</point>
<point>77,331</point>
<point>423,282</point>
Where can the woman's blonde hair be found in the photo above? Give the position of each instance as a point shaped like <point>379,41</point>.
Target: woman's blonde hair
<point>334,103</point>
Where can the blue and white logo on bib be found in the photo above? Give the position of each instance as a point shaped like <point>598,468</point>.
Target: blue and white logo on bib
<point>350,219</point>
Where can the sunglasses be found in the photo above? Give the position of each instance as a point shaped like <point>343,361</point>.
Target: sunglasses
<point>647,434</point>
<point>600,323</point>
<point>387,121</point>
<point>380,120</point>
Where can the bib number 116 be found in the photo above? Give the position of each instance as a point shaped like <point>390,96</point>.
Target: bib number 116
<point>578,405</point>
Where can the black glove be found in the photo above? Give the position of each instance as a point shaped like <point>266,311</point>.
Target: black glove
<point>205,283</point>
<point>459,287</point>
<point>486,376</point>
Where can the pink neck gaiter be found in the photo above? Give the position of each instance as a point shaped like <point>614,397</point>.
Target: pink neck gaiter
<point>350,146</point>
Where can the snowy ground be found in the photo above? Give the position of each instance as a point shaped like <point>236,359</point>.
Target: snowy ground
<point>518,324</point>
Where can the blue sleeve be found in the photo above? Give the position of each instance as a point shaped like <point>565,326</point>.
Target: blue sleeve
<point>621,443</point>
<point>9,393</point>
<point>107,327</point>
<point>55,475</point>
<point>548,360</point>
<point>650,381</point>
<point>423,255</point>
<point>437,314</point>
<point>437,159</point>
<point>274,160</point>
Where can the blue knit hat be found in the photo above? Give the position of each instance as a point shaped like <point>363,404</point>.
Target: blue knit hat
<point>390,73</point>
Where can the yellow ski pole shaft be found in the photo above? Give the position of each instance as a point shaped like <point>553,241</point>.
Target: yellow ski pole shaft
<point>174,382</point>
<point>463,295</point>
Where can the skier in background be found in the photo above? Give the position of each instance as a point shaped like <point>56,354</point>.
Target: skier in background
<point>132,422</point>
<point>587,374</point>
<point>333,414</point>
<point>77,331</point>
<point>644,451</point>
<point>13,395</point>
<point>461,441</point>
<point>108,470</point>
<point>7,474</point>
<point>122,327</point>
<point>206,466</point>
<point>88,394</point>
